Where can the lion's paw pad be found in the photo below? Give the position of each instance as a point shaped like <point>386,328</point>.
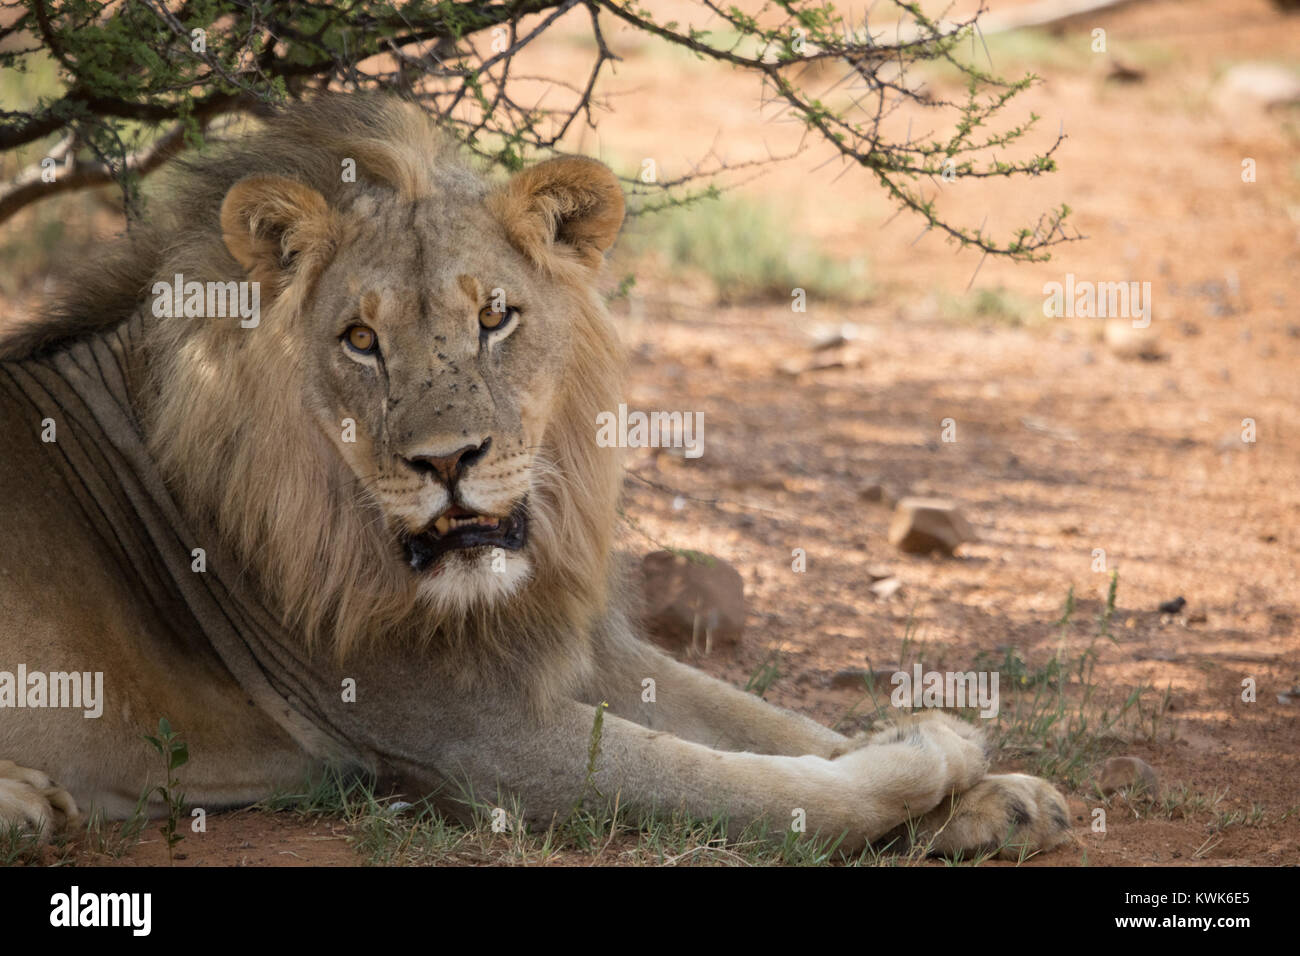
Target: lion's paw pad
<point>1010,815</point>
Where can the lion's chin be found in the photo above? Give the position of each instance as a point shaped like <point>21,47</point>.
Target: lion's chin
<point>473,579</point>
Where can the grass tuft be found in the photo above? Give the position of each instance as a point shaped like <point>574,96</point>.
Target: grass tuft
<point>748,250</point>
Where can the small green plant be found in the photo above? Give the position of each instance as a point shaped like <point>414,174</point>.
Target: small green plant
<point>1180,802</point>
<point>18,844</point>
<point>1064,728</point>
<point>593,750</point>
<point>589,819</point>
<point>175,753</point>
<point>750,252</point>
<point>764,675</point>
<point>992,306</point>
<point>1108,612</point>
<point>114,839</point>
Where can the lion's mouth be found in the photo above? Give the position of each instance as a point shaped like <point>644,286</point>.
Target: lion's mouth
<point>459,529</point>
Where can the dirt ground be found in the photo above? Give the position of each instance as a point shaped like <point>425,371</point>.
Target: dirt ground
<point>1062,446</point>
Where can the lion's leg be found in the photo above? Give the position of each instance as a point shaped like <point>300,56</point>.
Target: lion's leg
<point>500,750</point>
<point>692,705</point>
<point>1004,812</point>
<point>29,800</point>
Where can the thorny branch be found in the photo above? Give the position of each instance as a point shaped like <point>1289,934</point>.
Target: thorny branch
<point>126,69</point>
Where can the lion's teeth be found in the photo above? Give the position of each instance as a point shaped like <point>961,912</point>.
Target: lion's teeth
<point>445,523</point>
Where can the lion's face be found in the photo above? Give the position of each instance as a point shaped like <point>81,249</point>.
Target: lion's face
<point>433,372</point>
<point>444,340</point>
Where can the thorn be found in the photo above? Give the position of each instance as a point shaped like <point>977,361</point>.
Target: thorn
<point>977,270</point>
<point>980,30</point>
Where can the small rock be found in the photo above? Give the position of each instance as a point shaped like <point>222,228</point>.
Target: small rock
<point>1265,84</point>
<point>1129,343</point>
<point>885,588</point>
<point>1122,773</point>
<point>693,602</point>
<point>829,337</point>
<point>1291,696</point>
<point>878,572</point>
<point>922,525</point>
<point>1174,606</point>
<point>876,493</point>
<point>1124,73</point>
<point>845,358</point>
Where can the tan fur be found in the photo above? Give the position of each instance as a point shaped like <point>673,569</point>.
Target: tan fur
<point>329,562</point>
<point>473,677</point>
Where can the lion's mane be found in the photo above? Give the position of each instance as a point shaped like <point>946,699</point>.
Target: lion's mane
<point>224,415</point>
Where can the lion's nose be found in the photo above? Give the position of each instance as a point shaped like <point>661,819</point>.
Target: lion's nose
<point>449,468</point>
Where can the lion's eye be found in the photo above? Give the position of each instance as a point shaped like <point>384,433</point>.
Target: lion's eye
<point>492,320</point>
<point>362,339</point>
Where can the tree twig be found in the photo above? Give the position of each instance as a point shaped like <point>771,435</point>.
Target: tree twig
<point>29,187</point>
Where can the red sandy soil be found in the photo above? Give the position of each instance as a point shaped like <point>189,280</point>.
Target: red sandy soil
<point>1062,447</point>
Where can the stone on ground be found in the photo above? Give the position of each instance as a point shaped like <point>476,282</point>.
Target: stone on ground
<point>1124,773</point>
<point>922,525</point>
<point>694,603</point>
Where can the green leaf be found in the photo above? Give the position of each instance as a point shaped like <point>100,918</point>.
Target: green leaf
<point>180,756</point>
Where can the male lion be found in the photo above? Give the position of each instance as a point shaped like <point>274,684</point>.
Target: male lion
<point>371,525</point>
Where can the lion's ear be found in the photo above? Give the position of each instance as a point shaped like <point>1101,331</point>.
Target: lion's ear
<point>571,202</point>
<point>276,227</point>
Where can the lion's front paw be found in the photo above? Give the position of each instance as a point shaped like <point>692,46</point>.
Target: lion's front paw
<point>964,745</point>
<point>1011,815</point>
<point>31,801</point>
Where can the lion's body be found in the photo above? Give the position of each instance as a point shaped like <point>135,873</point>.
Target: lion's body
<point>390,481</point>
<point>71,602</point>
